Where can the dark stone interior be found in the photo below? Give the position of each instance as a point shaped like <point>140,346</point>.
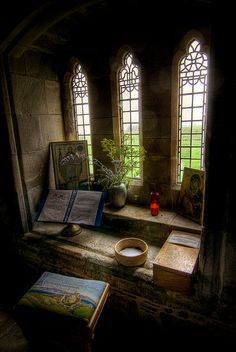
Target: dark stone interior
<point>38,39</point>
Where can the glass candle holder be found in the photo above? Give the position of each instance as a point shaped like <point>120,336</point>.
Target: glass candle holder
<point>154,203</point>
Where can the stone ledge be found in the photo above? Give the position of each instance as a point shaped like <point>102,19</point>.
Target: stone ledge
<point>77,257</point>
<point>96,245</point>
<point>91,255</point>
<point>137,214</point>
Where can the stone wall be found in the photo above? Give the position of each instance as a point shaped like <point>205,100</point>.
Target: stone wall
<point>37,83</point>
<point>35,109</point>
<point>38,118</point>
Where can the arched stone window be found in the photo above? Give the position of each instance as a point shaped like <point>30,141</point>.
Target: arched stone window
<point>190,108</point>
<point>80,101</point>
<point>128,106</point>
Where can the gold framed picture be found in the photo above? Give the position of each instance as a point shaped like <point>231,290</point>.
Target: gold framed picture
<point>190,201</point>
<point>70,164</point>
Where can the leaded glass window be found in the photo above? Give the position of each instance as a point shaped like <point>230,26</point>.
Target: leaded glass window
<point>129,103</point>
<point>81,110</point>
<point>192,108</point>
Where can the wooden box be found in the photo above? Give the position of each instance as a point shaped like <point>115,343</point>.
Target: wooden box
<point>175,263</point>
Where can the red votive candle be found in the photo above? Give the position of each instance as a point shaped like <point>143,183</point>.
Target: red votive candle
<point>154,204</point>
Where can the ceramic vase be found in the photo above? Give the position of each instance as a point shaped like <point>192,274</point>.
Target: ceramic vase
<point>118,195</point>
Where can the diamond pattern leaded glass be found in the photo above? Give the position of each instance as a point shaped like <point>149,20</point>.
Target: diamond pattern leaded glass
<point>81,110</point>
<point>192,109</point>
<point>129,94</point>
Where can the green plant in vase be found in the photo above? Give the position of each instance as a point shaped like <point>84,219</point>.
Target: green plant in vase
<point>125,161</point>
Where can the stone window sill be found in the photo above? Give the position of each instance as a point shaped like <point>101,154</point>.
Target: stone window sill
<point>90,254</point>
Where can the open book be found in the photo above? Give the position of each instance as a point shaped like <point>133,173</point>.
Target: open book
<point>72,206</point>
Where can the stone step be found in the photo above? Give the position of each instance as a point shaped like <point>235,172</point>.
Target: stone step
<point>137,221</point>
<point>90,254</point>
<point>100,241</point>
<point>129,221</point>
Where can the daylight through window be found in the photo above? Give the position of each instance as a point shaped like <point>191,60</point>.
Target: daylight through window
<point>81,111</point>
<point>129,103</point>
<point>192,108</point>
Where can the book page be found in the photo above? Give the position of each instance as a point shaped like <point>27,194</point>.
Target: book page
<point>85,208</point>
<point>55,206</point>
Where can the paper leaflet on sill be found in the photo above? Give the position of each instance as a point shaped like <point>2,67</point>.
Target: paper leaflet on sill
<point>188,240</point>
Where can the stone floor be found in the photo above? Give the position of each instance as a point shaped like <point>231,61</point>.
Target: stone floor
<point>113,334</point>
<point>11,337</point>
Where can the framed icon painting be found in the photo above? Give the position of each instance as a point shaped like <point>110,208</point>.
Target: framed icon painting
<point>70,164</point>
<point>190,201</point>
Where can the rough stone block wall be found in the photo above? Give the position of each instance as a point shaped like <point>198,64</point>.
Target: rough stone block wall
<point>38,112</point>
